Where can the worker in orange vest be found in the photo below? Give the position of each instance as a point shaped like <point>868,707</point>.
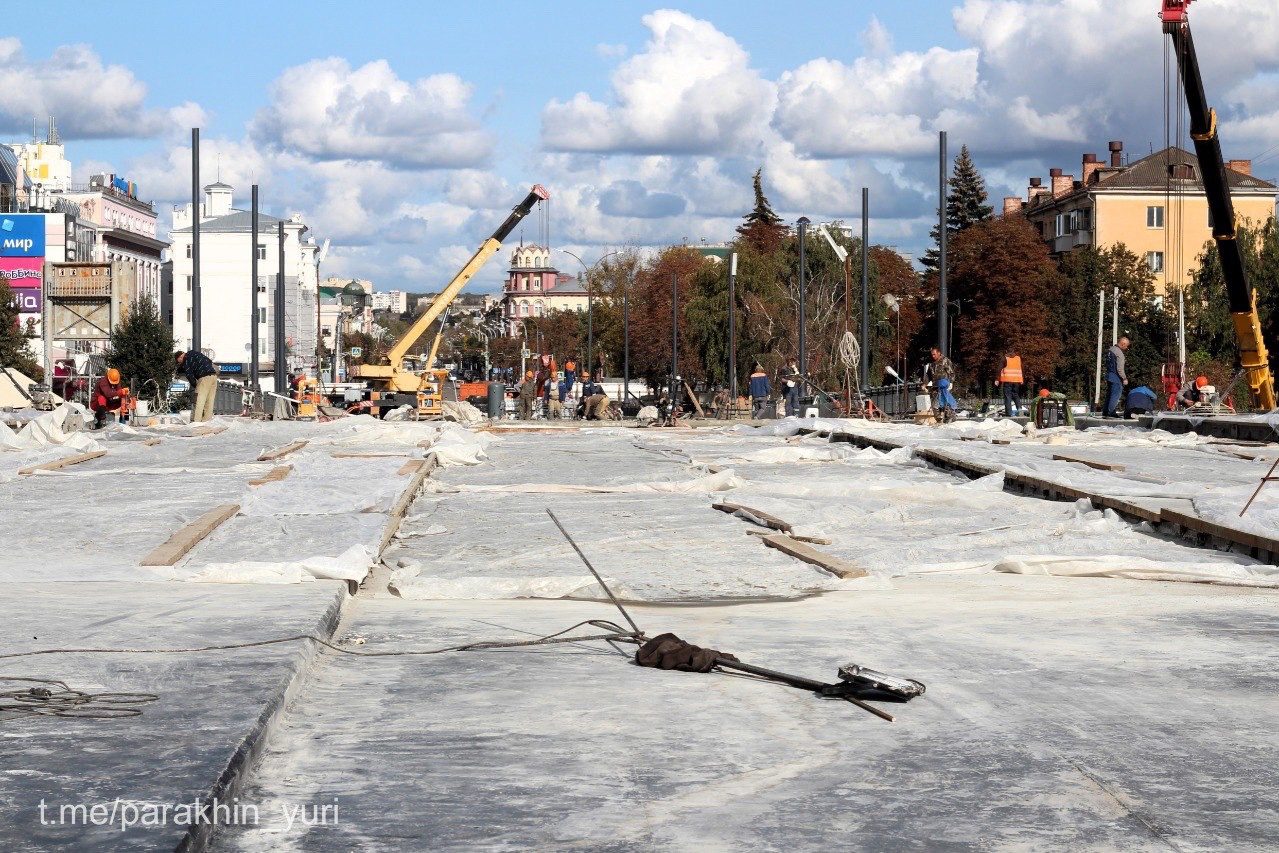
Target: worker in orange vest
<point>1011,378</point>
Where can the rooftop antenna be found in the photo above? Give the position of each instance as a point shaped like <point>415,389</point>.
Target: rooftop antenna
<point>54,139</point>
<point>35,129</point>
<point>219,167</point>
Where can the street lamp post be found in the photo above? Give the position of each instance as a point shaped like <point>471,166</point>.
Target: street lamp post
<point>590,303</point>
<point>803,287</point>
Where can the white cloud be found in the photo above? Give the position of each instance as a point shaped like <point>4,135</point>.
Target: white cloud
<point>328,111</point>
<point>692,90</point>
<point>90,100</point>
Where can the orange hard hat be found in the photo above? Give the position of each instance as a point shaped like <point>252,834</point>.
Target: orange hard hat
<point>1044,392</point>
<point>113,375</point>
<point>528,374</point>
<point>1201,381</point>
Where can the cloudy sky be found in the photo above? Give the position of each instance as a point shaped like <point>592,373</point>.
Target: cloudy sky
<point>404,130</point>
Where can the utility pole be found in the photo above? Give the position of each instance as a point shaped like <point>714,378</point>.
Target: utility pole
<point>626,345</point>
<point>1114,320</point>
<point>590,326</point>
<point>253,298</point>
<point>195,238</point>
<point>865,348</point>
<point>674,334</point>
<point>732,327</point>
<point>281,374</point>
<point>803,298</point>
<point>1101,329</point>
<point>943,302</point>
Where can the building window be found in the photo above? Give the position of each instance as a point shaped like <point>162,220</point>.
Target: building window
<point>1155,260</point>
<point>188,315</point>
<point>1155,216</point>
<point>537,309</point>
<point>188,284</point>
<point>261,315</point>
<point>188,250</point>
<point>261,251</point>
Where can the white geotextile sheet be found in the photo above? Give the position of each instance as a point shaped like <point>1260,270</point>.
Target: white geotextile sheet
<point>353,564</point>
<point>45,438</point>
<point>322,485</point>
<point>1224,507</point>
<point>721,481</point>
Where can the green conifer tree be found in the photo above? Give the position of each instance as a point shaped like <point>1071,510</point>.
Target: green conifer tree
<point>15,351</point>
<point>965,204</point>
<point>762,227</point>
<point>141,348</point>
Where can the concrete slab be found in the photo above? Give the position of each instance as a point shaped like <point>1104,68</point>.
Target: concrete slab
<point>1060,714</point>
<point>189,746</point>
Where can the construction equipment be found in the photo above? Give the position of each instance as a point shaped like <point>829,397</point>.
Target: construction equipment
<point>393,383</point>
<point>309,398</point>
<point>1203,132</point>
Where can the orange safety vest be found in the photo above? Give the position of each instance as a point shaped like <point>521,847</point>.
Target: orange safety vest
<point>1011,374</point>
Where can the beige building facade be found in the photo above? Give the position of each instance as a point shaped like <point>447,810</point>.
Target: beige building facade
<point>1155,206</point>
<point>534,288</point>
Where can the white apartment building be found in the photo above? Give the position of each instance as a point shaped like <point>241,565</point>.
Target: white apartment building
<point>396,301</point>
<point>225,271</point>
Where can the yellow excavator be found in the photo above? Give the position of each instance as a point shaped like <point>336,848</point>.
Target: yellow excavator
<point>1203,132</point>
<point>394,383</point>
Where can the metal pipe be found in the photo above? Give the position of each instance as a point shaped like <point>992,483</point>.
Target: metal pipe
<point>281,375</point>
<point>1114,320</point>
<point>1181,329</point>
<point>674,334</point>
<point>1101,330</point>
<point>626,345</point>
<point>865,288</point>
<point>943,307</point>
<point>195,238</point>
<point>732,328</point>
<point>803,296</point>
<point>253,298</point>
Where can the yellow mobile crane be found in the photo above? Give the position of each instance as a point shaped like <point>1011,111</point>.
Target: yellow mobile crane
<point>1203,131</point>
<point>393,383</point>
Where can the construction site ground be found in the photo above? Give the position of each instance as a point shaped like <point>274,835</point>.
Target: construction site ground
<point>1100,670</point>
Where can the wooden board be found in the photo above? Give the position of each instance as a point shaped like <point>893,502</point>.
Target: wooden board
<point>63,462</point>
<point>273,476</point>
<point>411,467</point>
<point>1091,463</point>
<point>697,406</point>
<point>1211,528</point>
<point>283,451</point>
<point>368,455</point>
<point>402,503</point>
<point>180,543</point>
<point>151,442</point>
<point>207,430</point>
<point>813,540</point>
<point>809,554</point>
<point>767,519</point>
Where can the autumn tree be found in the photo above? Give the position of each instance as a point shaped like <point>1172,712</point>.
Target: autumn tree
<point>1003,278</point>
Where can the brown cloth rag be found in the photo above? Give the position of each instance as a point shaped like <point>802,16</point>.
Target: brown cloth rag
<point>667,651</point>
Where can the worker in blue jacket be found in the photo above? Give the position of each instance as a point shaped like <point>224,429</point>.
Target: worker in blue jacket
<point>1140,401</point>
<point>760,390</point>
<point>203,376</point>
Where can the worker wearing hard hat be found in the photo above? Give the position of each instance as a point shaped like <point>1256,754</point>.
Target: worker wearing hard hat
<point>109,398</point>
<point>1193,392</point>
<point>1011,380</point>
<point>528,393</point>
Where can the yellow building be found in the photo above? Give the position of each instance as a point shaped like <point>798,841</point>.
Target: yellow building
<point>1155,206</point>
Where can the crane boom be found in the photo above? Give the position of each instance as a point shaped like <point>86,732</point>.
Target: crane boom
<point>1203,132</point>
<point>392,373</point>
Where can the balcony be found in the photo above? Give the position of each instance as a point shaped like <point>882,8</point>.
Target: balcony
<point>1073,240</point>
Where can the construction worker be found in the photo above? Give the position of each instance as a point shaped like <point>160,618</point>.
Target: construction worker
<point>1192,393</point>
<point>1116,377</point>
<point>759,390</point>
<point>944,378</point>
<point>1011,380</point>
<point>108,399</point>
<point>570,372</point>
<point>528,393</point>
<point>791,381</point>
<point>1139,401</point>
<point>595,402</point>
<point>203,376</point>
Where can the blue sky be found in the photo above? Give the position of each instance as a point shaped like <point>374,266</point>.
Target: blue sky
<point>402,130</point>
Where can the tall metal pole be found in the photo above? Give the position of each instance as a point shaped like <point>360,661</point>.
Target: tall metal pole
<point>1114,320</point>
<point>803,296</point>
<point>281,373</point>
<point>253,297</point>
<point>674,334</point>
<point>732,328</point>
<point>943,301</point>
<point>195,238</point>
<point>1181,329</point>
<point>865,288</point>
<point>590,326</point>
<point>626,345</point>
<point>1101,330</point>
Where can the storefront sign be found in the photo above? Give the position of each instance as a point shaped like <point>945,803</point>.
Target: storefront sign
<point>22,235</point>
<point>25,277</point>
<point>27,299</point>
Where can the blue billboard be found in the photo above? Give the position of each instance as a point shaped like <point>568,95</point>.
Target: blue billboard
<point>22,235</point>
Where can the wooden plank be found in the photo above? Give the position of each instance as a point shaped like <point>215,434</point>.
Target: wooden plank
<point>1211,528</point>
<point>814,540</point>
<point>273,476</point>
<point>283,451</point>
<point>758,515</point>
<point>63,462</point>
<point>181,542</point>
<point>411,467</point>
<point>697,406</point>
<point>151,442</point>
<point>207,430</point>
<point>1091,463</point>
<point>809,554</point>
